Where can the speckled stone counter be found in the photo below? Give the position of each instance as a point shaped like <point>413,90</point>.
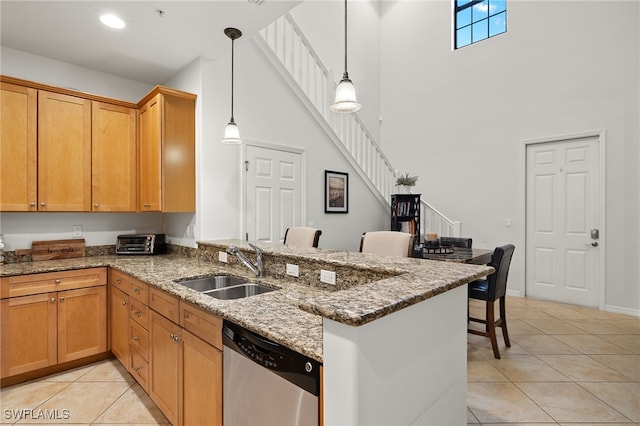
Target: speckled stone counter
<point>367,287</point>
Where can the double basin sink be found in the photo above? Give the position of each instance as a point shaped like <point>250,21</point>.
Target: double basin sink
<point>225,287</point>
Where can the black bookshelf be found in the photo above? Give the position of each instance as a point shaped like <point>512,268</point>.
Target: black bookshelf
<point>405,214</point>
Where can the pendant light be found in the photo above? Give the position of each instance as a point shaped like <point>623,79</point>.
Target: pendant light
<point>231,132</point>
<point>345,101</point>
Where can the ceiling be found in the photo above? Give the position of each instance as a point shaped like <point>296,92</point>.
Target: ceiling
<point>151,48</point>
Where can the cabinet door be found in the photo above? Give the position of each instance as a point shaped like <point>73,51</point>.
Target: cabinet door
<point>64,152</point>
<point>202,378</point>
<point>29,328</point>
<point>165,384</point>
<point>149,192</point>
<point>82,323</point>
<point>113,158</point>
<point>120,326</point>
<point>18,148</point>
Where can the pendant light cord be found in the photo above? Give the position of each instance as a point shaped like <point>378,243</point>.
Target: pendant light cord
<point>346,74</point>
<point>232,61</point>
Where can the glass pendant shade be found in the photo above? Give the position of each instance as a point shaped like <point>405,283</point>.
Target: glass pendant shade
<point>231,133</point>
<point>346,101</point>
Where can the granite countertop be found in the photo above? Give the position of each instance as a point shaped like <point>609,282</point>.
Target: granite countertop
<point>293,315</point>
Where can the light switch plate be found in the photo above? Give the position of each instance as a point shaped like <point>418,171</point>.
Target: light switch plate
<point>77,230</point>
<point>328,277</point>
<point>293,270</point>
<point>222,256</point>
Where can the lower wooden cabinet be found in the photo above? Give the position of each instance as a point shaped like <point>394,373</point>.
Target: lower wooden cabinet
<point>172,348</point>
<point>82,323</point>
<point>119,320</point>
<point>51,327</point>
<point>164,369</point>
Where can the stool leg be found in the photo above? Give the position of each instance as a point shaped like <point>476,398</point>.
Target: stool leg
<point>491,329</point>
<point>503,317</point>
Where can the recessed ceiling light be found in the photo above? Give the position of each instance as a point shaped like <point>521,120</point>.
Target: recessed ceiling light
<point>113,21</point>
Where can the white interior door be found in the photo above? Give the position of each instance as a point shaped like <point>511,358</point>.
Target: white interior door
<point>563,219</point>
<point>274,192</point>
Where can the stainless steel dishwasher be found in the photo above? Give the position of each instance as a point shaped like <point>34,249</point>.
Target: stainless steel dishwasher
<point>265,383</point>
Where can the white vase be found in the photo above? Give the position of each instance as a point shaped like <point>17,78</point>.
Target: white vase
<point>403,189</point>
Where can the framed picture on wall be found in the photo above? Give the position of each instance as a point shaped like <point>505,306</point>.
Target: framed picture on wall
<point>336,192</point>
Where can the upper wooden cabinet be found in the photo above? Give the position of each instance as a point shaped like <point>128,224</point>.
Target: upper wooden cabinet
<point>167,152</point>
<point>18,148</point>
<point>67,151</point>
<point>113,158</point>
<point>64,153</point>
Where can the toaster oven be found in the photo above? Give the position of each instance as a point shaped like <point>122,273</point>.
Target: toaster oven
<point>141,244</point>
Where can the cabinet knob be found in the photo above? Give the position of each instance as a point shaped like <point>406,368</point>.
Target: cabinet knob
<point>32,204</point>
<point>62,299</point>
<point>136,338</point>
<point>96,205</point>
<point>136,290</point>
<point>136,313</point>
<point>53,299</point>
<point>57,281</point>
<point>137,368</point>
<point>43,204</point>
<point>124,303</point>
<point>175,337</point>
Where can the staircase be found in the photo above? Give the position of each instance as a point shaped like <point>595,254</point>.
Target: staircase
<point>286,47</point>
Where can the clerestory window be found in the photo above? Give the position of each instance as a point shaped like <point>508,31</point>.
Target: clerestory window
<point>477,20</point>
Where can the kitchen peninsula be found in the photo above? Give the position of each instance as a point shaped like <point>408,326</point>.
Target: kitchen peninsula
<point>391,333</point>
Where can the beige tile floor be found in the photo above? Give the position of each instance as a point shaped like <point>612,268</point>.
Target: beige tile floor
<point>567,365</point>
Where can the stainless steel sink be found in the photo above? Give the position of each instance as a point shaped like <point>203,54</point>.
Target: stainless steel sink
<point>224,286</point>
<point>213,282</point>
<point>239,291</point>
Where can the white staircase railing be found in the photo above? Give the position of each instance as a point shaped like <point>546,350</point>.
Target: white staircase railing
<point>284,44</point>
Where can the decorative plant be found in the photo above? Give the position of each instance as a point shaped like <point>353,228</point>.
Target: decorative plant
<point>406,180</point>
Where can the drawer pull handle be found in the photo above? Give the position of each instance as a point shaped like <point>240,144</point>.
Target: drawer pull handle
<point>136,369</point>
<point>147,205</point>
<point>136,290</point>
<point>118,280</point>
<point>175,337</point>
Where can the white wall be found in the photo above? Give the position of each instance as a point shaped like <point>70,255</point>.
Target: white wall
<point>561,68</point>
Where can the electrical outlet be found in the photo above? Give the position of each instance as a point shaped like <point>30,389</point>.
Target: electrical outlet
<point>77,230</point>
<point>328,277</point>
<point>222,256</point>
<point>293,270</point>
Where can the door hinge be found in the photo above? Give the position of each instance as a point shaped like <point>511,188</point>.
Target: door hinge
<point>246,236</point>
<point>246,165</point>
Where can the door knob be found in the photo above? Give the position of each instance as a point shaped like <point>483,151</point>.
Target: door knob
<point>593,244</point>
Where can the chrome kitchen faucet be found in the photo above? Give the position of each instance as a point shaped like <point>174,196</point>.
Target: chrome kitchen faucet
<point>255,268</point>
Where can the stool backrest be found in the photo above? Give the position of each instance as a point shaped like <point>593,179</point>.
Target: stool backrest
<point>302,236</point>
<point>500,260</point>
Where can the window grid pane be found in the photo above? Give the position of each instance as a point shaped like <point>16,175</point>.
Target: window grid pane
<point>476,20</point>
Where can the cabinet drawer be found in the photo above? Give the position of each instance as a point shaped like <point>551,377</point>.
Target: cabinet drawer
<point>139,313</point>
<point>119,280</point>
<point>139,339</point>
<point>139,291</point>
<point>24,285</point>
<point>165,304</point>
<point>203,324</point>
<point>139,369</point>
